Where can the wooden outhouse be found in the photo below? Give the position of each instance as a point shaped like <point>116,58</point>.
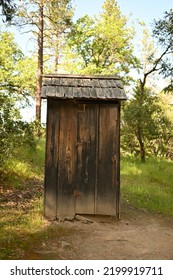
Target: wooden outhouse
<point>82,167</point>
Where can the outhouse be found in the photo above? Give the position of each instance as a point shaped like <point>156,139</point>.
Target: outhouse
<point>82,166</point>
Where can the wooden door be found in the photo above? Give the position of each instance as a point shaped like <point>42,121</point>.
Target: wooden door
<point>86,158</point>
<point>97,159</point>
<point>108,157</point>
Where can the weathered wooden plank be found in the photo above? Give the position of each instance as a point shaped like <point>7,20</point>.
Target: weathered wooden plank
<point>87,82</point>
<point>111,83</point>
<point>77,92</point>
<point>67,161</point>
<point>81,86</point>
<point>110,77</point>
<point>114,84</point>
<point>60,92</point>
<point>113,93</point>
<point>118,161</point>
<point>67,82</point>
<point>44,91</point>
<point>107,93</point>
<point>85,92</point>
<point>97,83</point>
<point>106,180</point>
<point>78,82</point>
<point>56,81</point>
<point>119,84</point>
<point>100,93</point>
<point>47,81</point>
<point>51,90</point>
<point>51,163</point>
<point>86,159</point>
<point>103,83</point>
<point>68,92</point>
<point>92,93</point>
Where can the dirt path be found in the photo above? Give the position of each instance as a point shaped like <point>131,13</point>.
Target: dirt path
<point>139,235</point>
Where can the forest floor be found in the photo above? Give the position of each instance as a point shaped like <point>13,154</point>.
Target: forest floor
<point>138,235</point>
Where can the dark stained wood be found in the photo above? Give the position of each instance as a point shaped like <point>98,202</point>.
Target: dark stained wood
<point>67,161</point>
<point>106,180</point>
<point>51,165</point>
<point>82,169</point>
<point>86,158</point>
<point>118,162</point>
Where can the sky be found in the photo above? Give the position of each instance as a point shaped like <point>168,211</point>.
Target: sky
<point>143,10</point>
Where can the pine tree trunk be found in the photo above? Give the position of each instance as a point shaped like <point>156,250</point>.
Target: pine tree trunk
<point>57,54</point>
<point>40,62</point>
<point>140,135</point>
<point>141,145</point>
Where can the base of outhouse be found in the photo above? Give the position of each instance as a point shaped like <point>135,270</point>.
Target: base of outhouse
<point>86,218</point>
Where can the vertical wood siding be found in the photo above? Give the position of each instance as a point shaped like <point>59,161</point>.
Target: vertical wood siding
<point>82,159</point>
<point>51,166</point>
<point>67,160</point>
<point>106,186</point>
<point>86,158</point>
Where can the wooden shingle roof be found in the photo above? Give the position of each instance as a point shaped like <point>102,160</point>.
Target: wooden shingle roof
<point>83,87</point>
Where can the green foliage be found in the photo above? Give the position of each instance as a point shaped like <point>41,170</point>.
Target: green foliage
<point>146,127</point>
<point>10,54</point>
<point>17,73</point>
<point>149,115</point>
<point>163,32</point>
<point>22,226</point>
<point>57,21</point>
<point>26,164</point>
<point>102,45</point>
<point>21,201</point>
<point>15,87</point>
<point>8,9</point>
<point>26,76</point>
<point>148,186</point>
<point>13,131</point>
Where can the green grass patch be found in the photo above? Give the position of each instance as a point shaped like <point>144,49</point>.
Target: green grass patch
<point>149,185</point>
<point>22,226</point>
<point>21,201</point>
<point>21,232</point>
<point>27,163</point>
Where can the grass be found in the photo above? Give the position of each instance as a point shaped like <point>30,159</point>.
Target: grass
<point>149,185</point>
<point>21,202</point>
<point>27,163</point>
<point>22,226</point>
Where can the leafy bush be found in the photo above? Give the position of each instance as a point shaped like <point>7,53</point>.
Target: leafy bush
<point>150,120</point>
<point>13,131</point>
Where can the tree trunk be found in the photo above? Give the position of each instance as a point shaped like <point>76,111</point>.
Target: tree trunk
<point>40,62</point>
<point>141,145</point>
<point>56,53</point>
<point>140,137</point>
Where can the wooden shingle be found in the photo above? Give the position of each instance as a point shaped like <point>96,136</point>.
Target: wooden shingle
<point>83,87</point>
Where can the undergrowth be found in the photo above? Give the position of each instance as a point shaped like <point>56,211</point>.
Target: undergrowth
<point>21,201</point>
<point>22,225</point>
<point>149,185</point>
